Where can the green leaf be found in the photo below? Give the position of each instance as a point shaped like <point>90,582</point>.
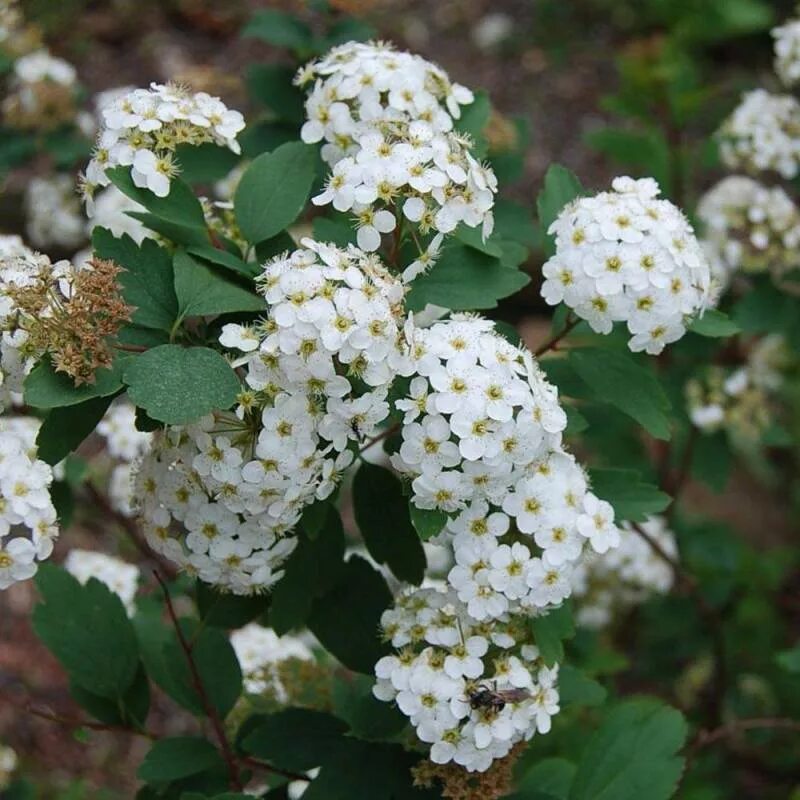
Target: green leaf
<point>225,610</point>
<point>647,151</point>
<point>279,28</point>
<point>315,566</point>
<point>216,664</point>
<point>88,631</point>
<point>427,522</point>
<point>633,755</point>
<point>368,717</point>
<point>129,711</point>
<point>147,282</point>
<point>46,388</point>
<point>789,660</point>
<point>334,229</point>
<point>180,211</point>
<point>714,324</point>
<point>382,516</point>
<point>274,189</point>
<point>766,309</point>
<point>560,187</point>
<point>360,596</point>
<point>549,632</point>
<point>550,777</point>
<point>575,688</point>
<point>178,385</point>
<point>178,757</point>
<point>296,739</point>
<point>617,379</point>
<point>271,84</point>
<point>201,290</point>
<point>632,499</point>
<point>463,279</point>
<point>65,428</point>
<point>224,259</point>
<point>205,163</point>
<point>356,769</point>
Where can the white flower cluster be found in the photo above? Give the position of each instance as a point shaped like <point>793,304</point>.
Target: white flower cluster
<point>28,525</point>
<point>481,441</point>
<point>318,369</point>
<point>260,650</point>
<point>120,577</point>
<point>471,690</point>
<point>19,267</point>
<point>608,584</point>
<point>750,227</point>
<point>126,444</point>
<point>42,66</point>
<point>628,256</point>
<point>387,121</point>
<point>142,129</point>
<point>740,401</point>
<point>763,133</point>
<point>110,212</point>
<point>787,51</point>
<point>8,765</point>
<point>357,85</point>
<point>53,211</point>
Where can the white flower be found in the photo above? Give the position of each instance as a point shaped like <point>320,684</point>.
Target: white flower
<point>596,523</point>
<point>787,51</point>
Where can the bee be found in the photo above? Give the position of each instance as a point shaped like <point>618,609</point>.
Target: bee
<point>494,699</point>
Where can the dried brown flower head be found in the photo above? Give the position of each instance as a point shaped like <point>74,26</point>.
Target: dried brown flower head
<point>458,784</point>
<point>72,314</point>
<point>42,106</point>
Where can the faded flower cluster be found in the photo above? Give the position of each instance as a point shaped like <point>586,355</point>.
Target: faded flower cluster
<point>606,585</point>
<point>387,121</point>
<point>750,227</point>
<point>763,134</point>
<point>42,93</point>
<point>317,374</point>
<point>628,256</point>
<point>787,51</point>
<point>142,129</point>
<point>740,401</point>
<point>28,525</point>
<point>119,576</point>
<point>481,441</point>
<point>126,445</point>
<point>260,652</point>
<point>53,213</point>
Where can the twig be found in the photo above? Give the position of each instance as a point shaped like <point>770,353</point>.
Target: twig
<point>132,529</point>
<point>552,343</point>
<point>72,722</point>
<point>706,738</point>
<point>379,438</point>
<point>294,776</point>
<point>216,723</point>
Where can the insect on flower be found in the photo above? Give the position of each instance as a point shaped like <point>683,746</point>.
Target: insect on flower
<point>494,699</point>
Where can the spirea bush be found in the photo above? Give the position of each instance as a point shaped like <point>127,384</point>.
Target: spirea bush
<point>383,544</point>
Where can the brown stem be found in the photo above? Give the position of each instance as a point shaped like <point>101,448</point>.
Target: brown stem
<point>131,348</point>
<point>211,712</point>
<point>711,617</point>
<point>552,343</point>
<point>74,723</point>
<point>132,529</point>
